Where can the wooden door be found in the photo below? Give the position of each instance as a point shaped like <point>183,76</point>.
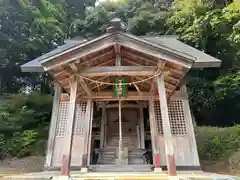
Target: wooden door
<point>129,127</point>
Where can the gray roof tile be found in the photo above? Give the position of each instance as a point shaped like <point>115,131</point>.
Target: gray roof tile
<point>171,42</point>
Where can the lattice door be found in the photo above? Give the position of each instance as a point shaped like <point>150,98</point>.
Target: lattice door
<point>176,115</point>
<point>78,133</point>
<point>79,119</point>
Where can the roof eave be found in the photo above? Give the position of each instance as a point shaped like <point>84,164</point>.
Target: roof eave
<point>186,56</point>
<point>206,64</point>
<point>32,69</point>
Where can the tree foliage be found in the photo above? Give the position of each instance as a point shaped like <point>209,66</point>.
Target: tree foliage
<point>24,121</point>
<point>29,28</point>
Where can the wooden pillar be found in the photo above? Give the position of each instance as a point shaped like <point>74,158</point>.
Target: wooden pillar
<point>105,127</point>
<point>138,137</point>
<point>189,122</point>
<point>53,124</point>
<point>86,134</point>
<point>102,136</point>
<point>171,164</point>
<point>90,131</point>
<point>156,154</point>
<point>67,149</point>
<point>141,123</point>
<point>120,150</point>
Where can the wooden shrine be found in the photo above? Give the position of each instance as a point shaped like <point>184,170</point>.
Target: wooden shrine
<point>121,100</point>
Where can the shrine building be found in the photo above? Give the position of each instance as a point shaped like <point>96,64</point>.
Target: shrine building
<point>121,103</point>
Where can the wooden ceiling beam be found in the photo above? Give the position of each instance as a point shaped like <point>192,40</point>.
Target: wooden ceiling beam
<point>95,58</point>
<point>131,62</point>
<point>137,88</point>
<point>117,48</point>
<point>118,71</point>
<point>74,67</point>
<point>59,73</point>
<point>171,78</point>
<point>105,63</point>
<point>86,87</point>
<point>174,70</point>
<point>160,67</point>
<point>99,80</point>
<point>139,57</point>
<point>97,85</point>
<point>178,83</point>
<point>131,95</point>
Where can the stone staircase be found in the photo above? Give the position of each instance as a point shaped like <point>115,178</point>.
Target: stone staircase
<point>135,156</point>
<point>121,168</point>
<point>129,141</point>
<point>107,156</point>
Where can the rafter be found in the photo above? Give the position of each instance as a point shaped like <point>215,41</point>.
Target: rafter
<point>74,67</point>
<point>118,60</point>
<point>160,67</point>
<point>131,62</point>
<point>179,81</point>
<point>130,54</point>
<point>86,87</point>
<point>137,88</point>
<point>96,58</point>
<point>105,63</point>
<point>96,84</point>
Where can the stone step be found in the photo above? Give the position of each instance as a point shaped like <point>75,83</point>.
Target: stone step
<point>121,168</point>
<point>135,161</point>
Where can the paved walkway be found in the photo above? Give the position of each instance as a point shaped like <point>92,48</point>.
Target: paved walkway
<point>76,175</point>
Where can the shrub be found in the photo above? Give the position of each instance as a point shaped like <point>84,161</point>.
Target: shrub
<point>23,144</point>
<point>217,143</point>
<point>24,121</point>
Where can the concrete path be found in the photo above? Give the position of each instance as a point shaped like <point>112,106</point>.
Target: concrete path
<point>76,175</point>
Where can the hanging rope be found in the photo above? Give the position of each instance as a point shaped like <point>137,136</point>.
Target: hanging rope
<point>130,83</point>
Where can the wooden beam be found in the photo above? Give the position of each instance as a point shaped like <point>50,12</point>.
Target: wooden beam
<point>160,68</point>
<point>141,124</point>
<point>119,71</point>
<point>153,130</point>
<point>117,49</point>
<point>59,73</point>
<point>96,58</point>
<point>168,139</point>
<point>137,88</point>
<point>131,95</point>
<point>86,87</point>
<point>95,86</point>
<point>98,79</point>
<point>67,148</point>
<point>73,67</point>
<point>171,78</point>
<point>179,81</point>
<point>90,134</point>
<point>131,62</point>
<point>118,60</point>
<point>174,70</point>
<point>102,126</point>
<point>127,53</point>
<point>123,106</point>
<point>105,63</point>
<point>87,127</point>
